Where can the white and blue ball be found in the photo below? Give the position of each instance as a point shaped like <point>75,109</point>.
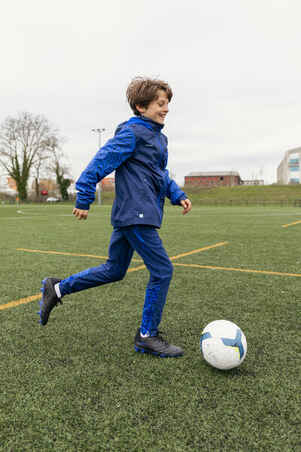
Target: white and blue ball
<point>223,344</point>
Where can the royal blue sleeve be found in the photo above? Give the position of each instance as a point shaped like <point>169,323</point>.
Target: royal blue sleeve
<point>107,159</point>
<point>173,191</point>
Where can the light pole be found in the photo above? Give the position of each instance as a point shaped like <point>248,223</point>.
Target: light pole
<point>99,131</point>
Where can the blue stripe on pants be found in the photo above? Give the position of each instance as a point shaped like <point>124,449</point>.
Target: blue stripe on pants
<point>146,242</point>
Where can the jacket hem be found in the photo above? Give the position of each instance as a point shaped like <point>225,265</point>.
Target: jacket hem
<point>120,224</point>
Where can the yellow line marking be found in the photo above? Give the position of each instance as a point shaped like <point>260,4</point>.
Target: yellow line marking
<point>67,254</point>
<point>135,269</point>
<point>199,250</point>
<point>142,267</point>
<point>12,304</point>
<point>244,270</point>
<point>134,260</point>
<point>291,224</point>
<point>130,270</point>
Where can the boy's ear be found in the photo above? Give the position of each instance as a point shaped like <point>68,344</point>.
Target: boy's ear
<point>140,109</point>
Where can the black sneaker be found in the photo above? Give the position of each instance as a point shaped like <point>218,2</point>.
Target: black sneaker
<point>156,345</point>
<point>49,299</point>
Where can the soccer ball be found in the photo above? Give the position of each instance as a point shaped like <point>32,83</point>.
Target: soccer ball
<point>223,344</point>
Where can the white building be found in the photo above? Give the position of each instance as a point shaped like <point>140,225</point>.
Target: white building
<point>289,170</point>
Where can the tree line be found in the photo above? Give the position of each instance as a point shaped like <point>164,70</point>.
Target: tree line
<point>31,147</point>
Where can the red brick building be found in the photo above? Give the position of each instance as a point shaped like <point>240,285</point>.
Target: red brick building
<point>11,183</point>
<point>108,183</point>
<point>48,185</point>
<point>213,179</point>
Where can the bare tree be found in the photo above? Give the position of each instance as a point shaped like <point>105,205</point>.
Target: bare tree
<point>25,141</point>
<point>61,170</point>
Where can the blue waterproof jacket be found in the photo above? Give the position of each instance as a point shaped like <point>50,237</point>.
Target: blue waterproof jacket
<point>138,153</point>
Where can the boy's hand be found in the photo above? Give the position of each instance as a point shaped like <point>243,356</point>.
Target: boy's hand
<point>80,214</point>
<point>186,204</point>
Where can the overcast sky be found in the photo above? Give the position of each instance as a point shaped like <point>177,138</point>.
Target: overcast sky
<point>234,67</point>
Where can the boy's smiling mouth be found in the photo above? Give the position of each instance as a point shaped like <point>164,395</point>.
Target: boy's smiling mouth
<point>162,116</point>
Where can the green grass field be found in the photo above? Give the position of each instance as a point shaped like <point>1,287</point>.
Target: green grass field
<point>78,385</point>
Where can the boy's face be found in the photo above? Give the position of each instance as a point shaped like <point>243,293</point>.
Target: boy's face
<point>157,109</point>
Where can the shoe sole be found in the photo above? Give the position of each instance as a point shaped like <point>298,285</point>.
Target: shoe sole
<point>159,355</point>
<point>41,303</point>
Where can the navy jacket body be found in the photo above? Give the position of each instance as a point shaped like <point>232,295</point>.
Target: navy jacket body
<point>138,153</point>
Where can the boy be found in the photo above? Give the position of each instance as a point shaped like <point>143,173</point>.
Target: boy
<point>138,153</point>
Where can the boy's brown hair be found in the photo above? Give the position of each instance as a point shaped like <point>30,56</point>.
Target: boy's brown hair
<point>143,90</point>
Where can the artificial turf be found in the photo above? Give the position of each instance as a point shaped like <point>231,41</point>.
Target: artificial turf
<point>77,383</point>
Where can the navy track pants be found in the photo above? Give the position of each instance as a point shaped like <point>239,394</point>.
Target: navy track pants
<point>146,242</point>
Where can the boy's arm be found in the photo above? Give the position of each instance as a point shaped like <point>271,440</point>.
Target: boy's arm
<point>177,196</point>
<point>107,159</point>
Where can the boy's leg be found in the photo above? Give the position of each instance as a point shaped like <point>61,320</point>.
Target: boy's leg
<point>120,255</point>
<point>146,241</point>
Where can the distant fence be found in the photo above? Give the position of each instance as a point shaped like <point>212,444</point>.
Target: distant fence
<point>108,200</point>
<point>250,202</point>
